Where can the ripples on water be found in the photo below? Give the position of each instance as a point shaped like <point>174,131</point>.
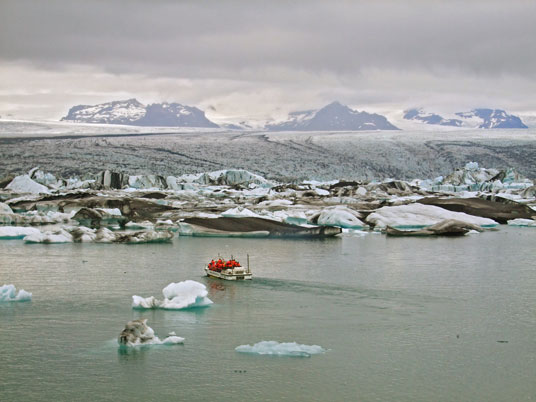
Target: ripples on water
<point>403,319</point>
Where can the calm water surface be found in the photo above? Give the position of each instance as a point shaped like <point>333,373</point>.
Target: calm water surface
<point>403,319</point>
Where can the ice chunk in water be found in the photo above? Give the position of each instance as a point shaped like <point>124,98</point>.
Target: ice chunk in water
<point>275,348</point>
<point>177,296</point>
<point>138,333</point>
<point>9,293</point>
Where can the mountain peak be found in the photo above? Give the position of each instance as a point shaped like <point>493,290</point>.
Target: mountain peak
<point>333,117</point>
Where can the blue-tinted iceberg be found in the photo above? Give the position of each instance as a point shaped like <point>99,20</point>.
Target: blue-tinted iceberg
<point>274,348</point>
<point>8,293</point>
<point>177,296</point>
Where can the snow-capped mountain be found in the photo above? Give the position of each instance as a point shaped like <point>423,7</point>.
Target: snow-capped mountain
<point>430,118</point>
<point>334,116</point>
<point>476,118</point>
<point>493,118</point>
<point>132,112</point>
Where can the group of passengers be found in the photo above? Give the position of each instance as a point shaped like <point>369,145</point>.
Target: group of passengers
<point>220,264</point>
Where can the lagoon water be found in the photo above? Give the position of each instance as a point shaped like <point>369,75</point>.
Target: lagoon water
<point>405,319</point>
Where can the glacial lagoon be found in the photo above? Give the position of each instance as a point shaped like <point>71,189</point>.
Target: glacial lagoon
<point>406,319</point>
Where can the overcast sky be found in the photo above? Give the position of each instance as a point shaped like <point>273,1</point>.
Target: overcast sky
<point>259,59</point>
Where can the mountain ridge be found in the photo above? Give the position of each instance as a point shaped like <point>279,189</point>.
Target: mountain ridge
<point>132,112</point>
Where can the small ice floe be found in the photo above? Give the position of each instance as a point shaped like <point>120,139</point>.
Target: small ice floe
<point>8,293</point>
<point>138,333</point>
<point>177,296</point>
<point>517,222</point>
<point>274,348</point>
<point>16,232</point>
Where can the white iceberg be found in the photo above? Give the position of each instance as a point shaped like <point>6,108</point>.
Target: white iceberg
<point>239,212</point>
<point>8,293</point>
<point>341,217</point>
<point>24,184</point>
<point>16,232</point>
<point>5,209</point>
<point>138,333</point>
<point>522,222</point>
<point>419,215</point>
<point>177,296</point>
<point>274,348</point>
<point>50,237</point>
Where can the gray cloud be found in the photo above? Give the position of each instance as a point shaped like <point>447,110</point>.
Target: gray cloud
<point>284,45</point>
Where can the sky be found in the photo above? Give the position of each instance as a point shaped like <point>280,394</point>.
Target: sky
<point>255,60</point>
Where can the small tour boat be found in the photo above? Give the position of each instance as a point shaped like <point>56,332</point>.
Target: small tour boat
<point>229,270</point>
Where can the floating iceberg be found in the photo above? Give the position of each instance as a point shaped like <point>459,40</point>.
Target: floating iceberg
<point>138,333</point>
<point>341,217</point>
<point>517,222</point>
<point>50,237</point>
<point>177,296</point>
<point>420,215</point>
<point>274,348</point>
<point>8,293</point>
<point>16,232</point>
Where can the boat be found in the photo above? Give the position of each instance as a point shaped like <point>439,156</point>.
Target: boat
<point>230,271</point>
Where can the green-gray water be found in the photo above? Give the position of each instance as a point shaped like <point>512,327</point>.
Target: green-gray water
<point>405,319</point>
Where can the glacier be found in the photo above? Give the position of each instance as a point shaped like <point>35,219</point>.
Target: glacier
<point>274,348</point>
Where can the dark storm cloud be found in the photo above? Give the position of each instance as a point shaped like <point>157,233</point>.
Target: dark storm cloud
<point>243,38</point>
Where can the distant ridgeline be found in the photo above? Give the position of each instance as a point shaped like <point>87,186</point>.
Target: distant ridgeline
<point>476,118</point>
<point>131,112</point>
<point>332,117</point>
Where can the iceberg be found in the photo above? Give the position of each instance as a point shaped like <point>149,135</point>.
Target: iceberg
<point>24,184</point>
<point>5,209</point>
<point>420,215</point>
<point>138,333</point>
<point>8,293</point>
<point>239,213</point>
<point>342,217</point>
<point>177,296</point>
<point>16,232</point>
<point>520,222</point>
<point>274,348</point>
<point>50,237</point>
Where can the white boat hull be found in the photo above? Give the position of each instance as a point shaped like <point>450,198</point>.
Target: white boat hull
<point>229,274</point>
